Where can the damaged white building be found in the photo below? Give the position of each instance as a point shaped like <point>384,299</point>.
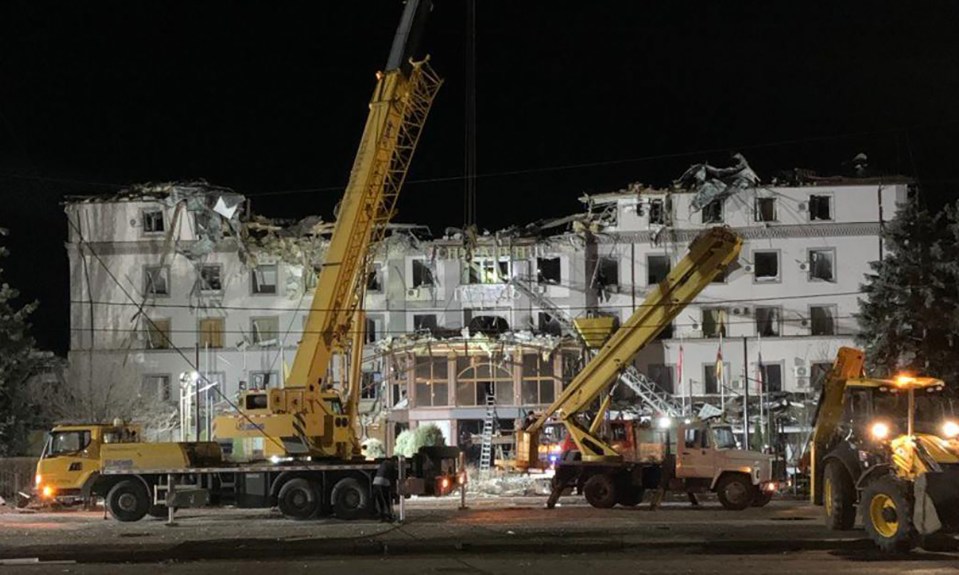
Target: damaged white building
<point>448,326</point>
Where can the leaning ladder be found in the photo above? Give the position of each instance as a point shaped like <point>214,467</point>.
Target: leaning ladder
<point>655,398</point>
<point>486,455</point>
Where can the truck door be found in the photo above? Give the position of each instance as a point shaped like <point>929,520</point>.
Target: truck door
<point>695,456</point>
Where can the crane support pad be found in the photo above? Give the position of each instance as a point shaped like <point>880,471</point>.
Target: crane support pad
<point>942,490</point>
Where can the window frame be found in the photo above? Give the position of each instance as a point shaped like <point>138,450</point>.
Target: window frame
<point>163,393</point>
<point>778,278</point>
<point>547,366</point>
<point>253,282</point>
<point>832,208</point>
<point>669,268</point>
<point>834,316</point>
<point>709,369</point>
<point>723,326</point>
<point>778,324</point>
<point>809,265</point>
<point>757,212</point>
<point>254,340</point>
<point>163,223</point>
<point>541,278</point>
<point>147,281</point>
<point>610,282</point>
<point>270,375</point>
<point>668,368</point>
<point>426,281</point>
<point>148,329</point>
<point>200,331</point>
<point>219,274</point>
<point>721,202</point>
<point>782,376</point>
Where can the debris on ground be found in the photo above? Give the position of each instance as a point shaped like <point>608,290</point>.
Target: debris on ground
<point>515,485</point>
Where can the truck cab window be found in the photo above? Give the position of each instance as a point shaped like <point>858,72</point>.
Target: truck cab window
<point>67,442</point>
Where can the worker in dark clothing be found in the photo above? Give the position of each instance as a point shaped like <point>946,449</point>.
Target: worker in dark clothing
<point>382,488</point>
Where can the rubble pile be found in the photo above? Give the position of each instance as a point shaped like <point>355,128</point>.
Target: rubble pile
<point>507,485</point>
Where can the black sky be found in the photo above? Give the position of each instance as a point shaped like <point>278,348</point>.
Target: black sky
<point>572,97</point>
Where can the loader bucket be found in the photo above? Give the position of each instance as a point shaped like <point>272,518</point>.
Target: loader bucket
<point>937,501</point>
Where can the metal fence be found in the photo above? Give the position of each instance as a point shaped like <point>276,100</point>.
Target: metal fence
<point>16,474</point>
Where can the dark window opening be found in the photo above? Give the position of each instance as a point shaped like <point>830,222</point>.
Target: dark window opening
<point>657,215</point>
<point>766,265</point>
<point>820,208</point>
<point>424,322</point>
<point>821,265</point>
<point>713,212</point>
<point>768,321</point>
<point>765,210</point>
<point>657,268</point>
<point>370,330</point>
<point>662,375</point>
<point>264,279</point>
<point>488,325</point>
<point>153,221</point>
<point>666,332</point>
<point>607,272</point>
<point>422,274</point>
<point>548,271</point>
<point>772,374</point>
<point>548,324</point>
<point>818,373</point>
<point>714,322</point>
<point>374,280</point>
<point>822,319</point>
<point>210,279</point>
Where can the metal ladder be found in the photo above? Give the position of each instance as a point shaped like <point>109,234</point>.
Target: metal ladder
<point>486,454</point>
<point>649,393</point>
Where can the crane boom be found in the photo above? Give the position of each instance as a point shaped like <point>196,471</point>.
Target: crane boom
<point>709,254</point>
<point>306,416</point>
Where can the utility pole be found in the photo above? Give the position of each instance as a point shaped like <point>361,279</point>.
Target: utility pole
<point>745,394</point>
<point>196,389</point>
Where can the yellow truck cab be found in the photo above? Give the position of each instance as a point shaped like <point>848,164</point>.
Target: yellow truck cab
<point>70,462</point>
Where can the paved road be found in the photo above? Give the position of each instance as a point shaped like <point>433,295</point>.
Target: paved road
<point>494,535</point>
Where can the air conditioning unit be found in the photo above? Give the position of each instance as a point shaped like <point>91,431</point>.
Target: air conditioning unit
<point>801,371</point>
<point>413,292</point>
<point>737,311</point>
<point>748,268</point>
<point>737,384</point>
<point>802,382</point>
<point>802,206</point>
<point>804,266</point>
<point>540,288</point>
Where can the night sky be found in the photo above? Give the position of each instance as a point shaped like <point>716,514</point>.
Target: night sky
<point>269,98</point>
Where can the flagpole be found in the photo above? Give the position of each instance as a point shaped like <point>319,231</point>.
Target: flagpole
<point>762,387</point>
<point>682,392</point>
<point>722,375</point>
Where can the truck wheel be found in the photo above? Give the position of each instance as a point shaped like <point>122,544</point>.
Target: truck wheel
<point>735,492</point>
<point>761,498</point>
<point>350,499</point>
<point>630,496</point>
<point>128,501</point>
<point>887,515</point>
<point>838,497</point>
<point>298,499</point>
<point>600,491</point>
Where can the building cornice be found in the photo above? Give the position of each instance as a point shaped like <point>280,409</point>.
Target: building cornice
<point>772,231</point>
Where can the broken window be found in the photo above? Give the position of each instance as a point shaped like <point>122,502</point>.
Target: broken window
<point>152,221</point>
<point>265,330</point>
<point>713,212</point>
<point>662,375</point>
<point>714,321</point>
<point>156,387</point>
<point>157,333</point>
<point>772,377</point>
<point>467,316</point>
<point>548,324</point>
<point>156,280</point>
<point>212,332</point>
<point>818,373</point>
<point>548,271</point>
<point>263,279</point>
<point>768,321</point>
<point>370,329</point>
<point>487,270</point>
<point>432,381</point>
<point>607,272</point>
<point>821,265</point>
<point>370,386</point>
<point>766,266</point>
<point>657,268</point>
<point>480,377</point>
<point>210,281</point>
<point>424,322</point>
<point>422,274</point>
<point>711,377</point>
<point>538,384</point>
<point>264,379</point>
<point>820,208</point>
<point>657,215</point>
<point>822,319</point>
<point>374,279</point>
<point>765,210</point>
<point>666,332</point>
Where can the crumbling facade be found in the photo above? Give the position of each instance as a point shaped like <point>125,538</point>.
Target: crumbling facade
<point>164,276</point>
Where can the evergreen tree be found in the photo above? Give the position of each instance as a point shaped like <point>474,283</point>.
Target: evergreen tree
<point>908,317</point>
<point>17,360</point>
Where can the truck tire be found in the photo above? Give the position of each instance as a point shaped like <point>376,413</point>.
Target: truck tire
<point>298,499</point>
<point>600,491</point>
<point>887,515</point>
<point>128,500</point>
<point>630,496</point>
<point>351,500</point>
<point>735,492</point>
<point>761,498</point>
<point>838,497</point>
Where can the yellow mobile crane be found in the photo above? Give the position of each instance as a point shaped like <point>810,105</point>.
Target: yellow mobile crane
<point>310,464</point>
<point>889,447</point>
<point>601,472</point>
<point>307,415</point>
